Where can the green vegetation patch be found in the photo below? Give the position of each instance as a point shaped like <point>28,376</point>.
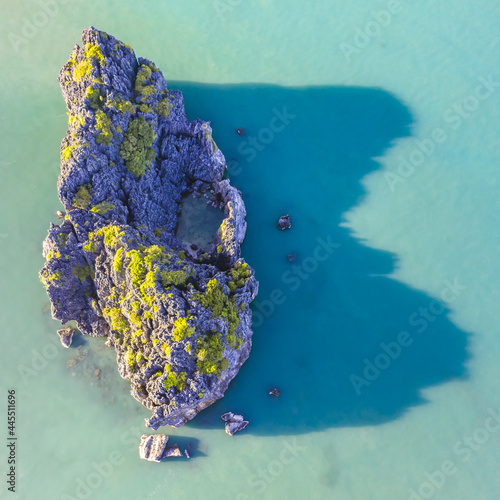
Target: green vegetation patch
<point>221,306</point>
<point>82,197</point>
<point>118,321</point>
<point>164,107</point>
<point>102,208</point>
<point>83,272</point>
<point>136,148</point>
<point>210,355</point>
<point>103,125</point>
<point>174,379</point>
<point>182,330</point>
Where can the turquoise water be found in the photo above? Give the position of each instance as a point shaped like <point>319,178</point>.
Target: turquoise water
<point>384,343</point>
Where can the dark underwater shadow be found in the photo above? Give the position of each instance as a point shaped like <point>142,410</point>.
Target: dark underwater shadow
<point>333,344</point>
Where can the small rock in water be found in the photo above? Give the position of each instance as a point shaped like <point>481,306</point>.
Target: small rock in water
<point>284,222</point>
<point>66,336</point>
<point>152,448</point>
<point>234,422</point>
<point>172,451</point>
<point>240,131</point>
<point>292,257</point>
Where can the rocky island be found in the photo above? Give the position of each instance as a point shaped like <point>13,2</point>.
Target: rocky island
<point>178,316</point>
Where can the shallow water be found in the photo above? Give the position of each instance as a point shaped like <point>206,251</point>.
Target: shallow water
<point>198,223</point>
<point>389,240</point>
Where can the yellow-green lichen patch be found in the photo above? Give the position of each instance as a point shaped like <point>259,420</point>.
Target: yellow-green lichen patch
<point>95,97</point>
<point>112,235</point>
<point>47,278</point>
<point>118,261</point>
<point>182,330</point>
<point>94,51</point>
<point>118,321</point>
<point>76,120</point>
<point>68,150</point>
<point>102,208</point>
<point>174,379</point>
<point>90,245</point>
<point>103,125</point>
<point>82,70</point>
<point>53,255</point>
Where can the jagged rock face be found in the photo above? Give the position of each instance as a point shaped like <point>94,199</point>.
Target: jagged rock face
<point>180,324</point>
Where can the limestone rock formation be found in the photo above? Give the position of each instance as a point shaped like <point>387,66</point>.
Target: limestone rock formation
<point>284,222</point>
<point>234,422</point>
<point>180,323</point>
<point>66,336</point>
<point>152,448</point>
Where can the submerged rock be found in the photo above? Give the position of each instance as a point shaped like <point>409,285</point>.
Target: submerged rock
<point>284,222</point>
<point>180,323</point>
<point>234,422</point>
<point>66,336</point>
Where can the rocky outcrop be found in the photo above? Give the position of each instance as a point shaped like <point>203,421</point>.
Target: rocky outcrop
<point>180,324</point>
<point>66,336</point>
<point>234,422</point>
<point>284,222</point>
<point>152,448</point>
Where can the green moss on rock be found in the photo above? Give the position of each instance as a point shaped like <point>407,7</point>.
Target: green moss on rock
<point>82,197</point>
<point>136,149</point>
